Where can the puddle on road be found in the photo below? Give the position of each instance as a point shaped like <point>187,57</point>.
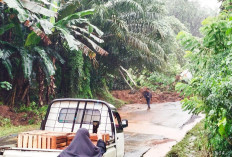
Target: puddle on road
<point>138,144</point>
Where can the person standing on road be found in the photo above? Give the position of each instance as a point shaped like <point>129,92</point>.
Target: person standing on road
<point>148,96</point>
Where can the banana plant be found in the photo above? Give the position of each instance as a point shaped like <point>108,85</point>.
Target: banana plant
<point>33,49</point>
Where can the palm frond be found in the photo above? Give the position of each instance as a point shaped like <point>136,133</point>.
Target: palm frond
<point>27,62</point>
<point>16,4</point>
<point>32,39</point>
<point>37,8</point>
<point>5,28</point>
<point>56,55</point>
<point>5,59</point>
<point>87,33</point>
<point>117,27</point>
<point>84,22</point>
<point>46,25</point>
<point>137,44</point>
<point>68,8</point>
<point>124,5</point>
<point>72,43</point>
<point>90,44</point>
<point>77,15</point>
<point>46,61</point>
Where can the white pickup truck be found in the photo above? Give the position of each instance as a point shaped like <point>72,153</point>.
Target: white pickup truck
<point>68,115</point>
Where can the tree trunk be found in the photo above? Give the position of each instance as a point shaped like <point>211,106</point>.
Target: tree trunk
<point>40,78</point>
<point>126,80</point>
<point>128,74</point>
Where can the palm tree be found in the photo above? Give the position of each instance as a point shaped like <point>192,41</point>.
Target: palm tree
<point>139,34</point>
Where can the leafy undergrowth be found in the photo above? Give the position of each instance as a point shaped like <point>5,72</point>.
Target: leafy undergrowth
<point>8,130</point>
<point>195,143</point>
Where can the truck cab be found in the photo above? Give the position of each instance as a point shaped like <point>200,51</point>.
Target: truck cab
<point>68,115</point>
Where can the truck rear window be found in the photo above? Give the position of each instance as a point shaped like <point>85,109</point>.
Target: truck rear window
<point>67,115</point>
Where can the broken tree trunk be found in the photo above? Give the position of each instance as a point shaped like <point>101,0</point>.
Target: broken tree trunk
<point>126,80</point>
<point>128,74</point>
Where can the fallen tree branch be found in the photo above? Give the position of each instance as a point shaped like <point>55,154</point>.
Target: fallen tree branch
<point>126,80</point>
<point>128,74</point>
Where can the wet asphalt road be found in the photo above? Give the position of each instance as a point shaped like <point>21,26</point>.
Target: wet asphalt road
<point>152,133</point>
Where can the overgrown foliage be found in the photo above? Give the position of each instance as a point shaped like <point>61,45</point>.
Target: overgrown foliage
<point>34,41</point>
<point>210,90</point>
<point>58,49</point>
<point>140,35</point>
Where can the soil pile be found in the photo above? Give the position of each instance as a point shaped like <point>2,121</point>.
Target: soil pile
<point>137,97</point>
<point>16,118</point>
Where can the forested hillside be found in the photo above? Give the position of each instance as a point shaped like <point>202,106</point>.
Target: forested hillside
<point>83,49</point>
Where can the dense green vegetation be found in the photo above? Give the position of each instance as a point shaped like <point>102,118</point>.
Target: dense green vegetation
<point>81,48</point>
<point>209,91</point>
<point>73,48</point>
<point>34,45</point>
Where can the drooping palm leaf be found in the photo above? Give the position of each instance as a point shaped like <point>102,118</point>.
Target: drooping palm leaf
<point>27,62</point>
<point>16,4</point>
<point>92,45</point>
<point>69,38</point>
<point>5,28</point>
<point>32,39</point>
<point>46,61</point>
<point>4,58</point>
<point>68,8</point>
<point>124,5</point>
<point>82,21</point>
<point>36,8</point>
<point>77,15</point>
<point>46,25</point>
<point>87,33</point>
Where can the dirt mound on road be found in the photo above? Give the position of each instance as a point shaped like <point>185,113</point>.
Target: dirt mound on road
<point>15,118</point>
<point>137,97</point>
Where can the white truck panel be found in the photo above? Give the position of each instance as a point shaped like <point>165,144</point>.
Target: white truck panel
<point>111,152</point>
<point>53,124</point>
<point>31,153</point>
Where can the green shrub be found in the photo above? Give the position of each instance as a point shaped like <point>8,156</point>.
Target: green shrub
<point>210,91</point>
<point>39,112</point>
<point>156,80</point>
<point>5,122</point>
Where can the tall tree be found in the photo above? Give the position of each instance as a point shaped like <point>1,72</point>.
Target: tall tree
<point>139,34</point>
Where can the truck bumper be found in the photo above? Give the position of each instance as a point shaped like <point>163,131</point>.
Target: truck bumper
<point>23,153</point>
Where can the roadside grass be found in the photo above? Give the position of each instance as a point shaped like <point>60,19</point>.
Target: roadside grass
<point>195,143</point>
<point>8,130</point>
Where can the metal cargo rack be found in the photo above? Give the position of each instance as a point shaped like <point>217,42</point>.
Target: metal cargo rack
<point>68,115</point>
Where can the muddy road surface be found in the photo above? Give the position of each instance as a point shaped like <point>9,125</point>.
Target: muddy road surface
<point>152,133</point>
